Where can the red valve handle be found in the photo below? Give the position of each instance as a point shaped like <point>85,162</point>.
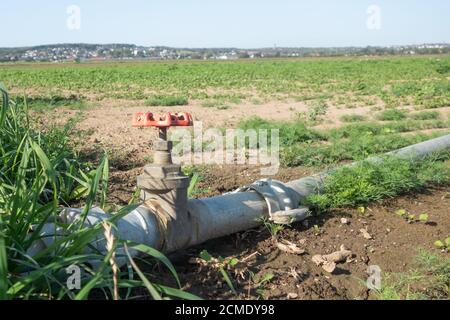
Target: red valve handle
<point>165,120</point>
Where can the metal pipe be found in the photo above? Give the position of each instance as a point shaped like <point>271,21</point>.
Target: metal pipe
<point>230,213</point>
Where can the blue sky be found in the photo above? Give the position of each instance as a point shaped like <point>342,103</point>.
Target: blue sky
<point>225,23</point>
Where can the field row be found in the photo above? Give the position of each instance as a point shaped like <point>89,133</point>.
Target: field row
<point>419,81</point>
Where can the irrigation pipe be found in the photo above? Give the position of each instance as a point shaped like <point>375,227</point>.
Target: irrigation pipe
<point>218,216</point>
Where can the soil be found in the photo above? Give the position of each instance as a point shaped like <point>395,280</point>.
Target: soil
<point>393,246</point>
<point>109,121</point>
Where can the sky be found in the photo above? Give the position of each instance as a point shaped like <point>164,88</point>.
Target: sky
<point>225,23</point>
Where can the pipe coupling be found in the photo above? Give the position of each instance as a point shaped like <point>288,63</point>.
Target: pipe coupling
<point>280,200</point>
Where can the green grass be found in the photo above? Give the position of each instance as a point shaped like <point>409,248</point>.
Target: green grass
<point>374,181</point>
<point>218,104</point>
<point>391,115</point>
<point>167,101</point>
<point>429,279</point>
<point>39,173</point>
<point>426,115</point>
<point>289,132</point>
<point>50,102</point>
<point>352,118</point>
<point>303,146</point>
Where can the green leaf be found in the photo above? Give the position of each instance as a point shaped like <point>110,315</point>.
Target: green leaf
<point>3,264</point>
<point>267,277</point>
<point>177,293</point>
<point>151,289</point>
<point>447,242</point>
<point>439,244</point>
<point>157,255</point>
<point>423,217</point>
<point>227,279</point>
<point>233,262</point>
<point>205,255</point>
<point>84,292</point>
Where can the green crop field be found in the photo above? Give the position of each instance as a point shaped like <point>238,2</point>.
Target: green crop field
<point>419,81</point>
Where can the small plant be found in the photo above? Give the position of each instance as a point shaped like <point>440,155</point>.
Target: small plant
<point>439,244</point>
<point>374,181</point>
<point>316,229</point>
<point>259,283</point>
<point>423,217</point>
<point>167,101</point>
<point>405,215</point>
<point>362,211</point>
<point>426,115</point>
<point>317,110</point>
<point>219,105</point>
<point>195,175</point>
<point>273,228</point>
<point>391,115</point>
<point>352,118</point>
<point>221,264</point>
<point>428,280</point>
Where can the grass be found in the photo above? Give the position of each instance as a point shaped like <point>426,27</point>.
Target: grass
<point>391,115</point>
<point>219,105</point>
<point>426,115</point>
<point>369,181</point>
<point>303,146</point>
<point>428,279</point>
<point>50,102</point>
<point>39,172</point>
<point>289,132</point>
<point>352,118</point>
<point>167,101</point>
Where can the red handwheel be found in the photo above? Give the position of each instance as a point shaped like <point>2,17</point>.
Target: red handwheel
<point>162,121</point>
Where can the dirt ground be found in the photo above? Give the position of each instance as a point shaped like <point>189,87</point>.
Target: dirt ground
<point>109,121</point>
<point>394,241</point>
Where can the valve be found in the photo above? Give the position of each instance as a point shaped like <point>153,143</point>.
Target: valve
<point>163,122</point>
<point>163,185</point>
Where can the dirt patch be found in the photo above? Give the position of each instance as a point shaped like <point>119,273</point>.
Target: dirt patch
<point>393,246</point>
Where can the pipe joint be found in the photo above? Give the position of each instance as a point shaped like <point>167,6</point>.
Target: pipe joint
<point>280,199</point>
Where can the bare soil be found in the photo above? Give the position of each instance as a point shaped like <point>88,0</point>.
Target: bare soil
<point>109,121</point>
<point>393,247</point>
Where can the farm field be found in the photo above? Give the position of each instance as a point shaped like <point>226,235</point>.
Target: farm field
<point>329,112</point>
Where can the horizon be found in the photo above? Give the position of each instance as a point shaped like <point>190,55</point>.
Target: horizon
<point>238,48</point>
<point>202,24</point>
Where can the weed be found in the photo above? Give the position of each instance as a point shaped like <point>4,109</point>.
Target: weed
<point>221,264</point>
<point>167,101</point>
<point>428,280</point>
<point>352,118</point>
<point>426,115</point>
<point>195,175</point>
<point>38,171</point>
<point>423,217</point>
<point>315,111</point>
<point>219,105</point>
<point>273,228</point>
<point>259,283</point>
<point>391,115</point>
<point>50,102</point>
<point>373,181</point>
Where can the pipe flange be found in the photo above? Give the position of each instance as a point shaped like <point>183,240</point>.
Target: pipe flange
<point>282,209</point>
